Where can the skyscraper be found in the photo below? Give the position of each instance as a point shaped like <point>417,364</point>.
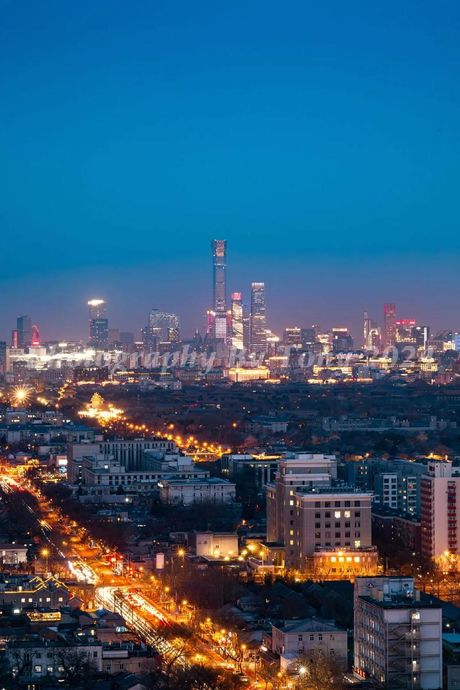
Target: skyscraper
<point>237,321</point>
<point>164,326</point>
<point>219,318</point>
<point>258,317</point>
<point>219,257</point>
<point>366,330</point>
<point>389,324</point>
<point>23,333</point>
<point>98,324</point>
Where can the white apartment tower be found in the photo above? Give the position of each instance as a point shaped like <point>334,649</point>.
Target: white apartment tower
<point>398,638</point>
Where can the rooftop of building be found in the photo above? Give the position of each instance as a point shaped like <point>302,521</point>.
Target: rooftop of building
<point>332,490</point>
<point>204,480</point>
<point>385,512</point>
<point>307,625</point>
<point>400,602</point>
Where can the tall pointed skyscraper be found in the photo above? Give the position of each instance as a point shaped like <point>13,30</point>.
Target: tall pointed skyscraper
<point>218,317</point>
<point>219,258</point>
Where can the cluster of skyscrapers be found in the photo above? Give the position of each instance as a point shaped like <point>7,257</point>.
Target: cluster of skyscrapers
<point>233,323</point>
<point>228,323</point>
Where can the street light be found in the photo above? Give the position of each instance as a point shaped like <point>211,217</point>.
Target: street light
<point>45,553</point>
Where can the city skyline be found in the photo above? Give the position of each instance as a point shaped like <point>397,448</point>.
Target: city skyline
<point>122,316</point>
<point>330,172</point>
<point>354,323</point>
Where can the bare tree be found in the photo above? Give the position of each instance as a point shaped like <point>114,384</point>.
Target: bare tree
<point>75,665</point>
<point>318,672</point>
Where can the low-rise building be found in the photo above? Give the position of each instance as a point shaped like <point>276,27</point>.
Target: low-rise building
<point>13,554</point>
<point>216,544</point>
<point>310,636</point>
<point>36,658</point>
<point>189,491</point>
<point>19,592</point>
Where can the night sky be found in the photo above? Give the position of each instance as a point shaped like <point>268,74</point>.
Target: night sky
<point>321,139</point>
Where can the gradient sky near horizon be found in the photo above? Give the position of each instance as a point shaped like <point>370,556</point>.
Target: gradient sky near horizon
<point>320,139</point>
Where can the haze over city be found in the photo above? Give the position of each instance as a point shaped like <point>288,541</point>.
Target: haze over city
<point>320,141</point>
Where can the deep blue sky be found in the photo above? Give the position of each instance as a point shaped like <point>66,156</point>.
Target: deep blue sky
<point>320,138</point>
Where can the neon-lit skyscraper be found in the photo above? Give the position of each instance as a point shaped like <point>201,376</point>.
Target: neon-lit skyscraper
<point>219,258</point>
<point>389,324</point>
<point>258,318</point>
<point>98,324</point>
<point>237,321</point>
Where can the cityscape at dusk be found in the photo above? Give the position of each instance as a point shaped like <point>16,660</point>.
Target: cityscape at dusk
<point>229,346</point>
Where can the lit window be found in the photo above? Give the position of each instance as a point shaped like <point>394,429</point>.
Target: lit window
<point>337,514</point>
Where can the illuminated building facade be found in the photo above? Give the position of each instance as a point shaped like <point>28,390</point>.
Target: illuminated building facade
<point>258,318</point>
<point>98,324</point>
<point>404,331</point>
<point>242,374</point>
<point>294,471</point>
<point>237,321</point>
<point>440,510</point>
<point>334,519</point>
<point>292,337</point>
<point>389,324</point>
<point>325,528</point>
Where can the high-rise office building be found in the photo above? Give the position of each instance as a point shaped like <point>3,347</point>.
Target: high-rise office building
<point>22,335</point>
<point>366,330</point>
<point>389,324</point>
<point>341,340</point>
<point>219,318</point>
<point>292,337</point>
<point>3,357</point>
<point>163,326</point>
<point>309,338</point>
<point>421,336</point>
<point>219,257</point>
<point>237,321</point>
<point>258,317</point>
<point>371,333</point>
<point>98,324</point>
<point>403,331</point>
